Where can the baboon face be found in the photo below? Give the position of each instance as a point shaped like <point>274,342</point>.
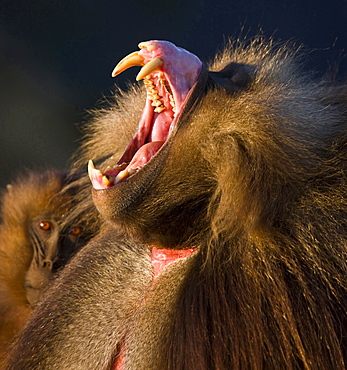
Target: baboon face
<point>162,174</point>
<point>53,245</point>
<point>38,235</point>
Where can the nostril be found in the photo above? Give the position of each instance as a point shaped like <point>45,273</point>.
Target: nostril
<point>47,264</point>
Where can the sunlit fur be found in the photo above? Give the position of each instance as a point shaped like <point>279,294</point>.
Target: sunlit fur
<point>267,287</point>
<point>31,198</point>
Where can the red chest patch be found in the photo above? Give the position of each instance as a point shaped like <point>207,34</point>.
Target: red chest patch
<point>164,257</point>
<point>160,259</point>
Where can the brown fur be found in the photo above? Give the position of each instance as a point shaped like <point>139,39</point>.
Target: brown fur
<point>255,177</point>
<point>32,198</point>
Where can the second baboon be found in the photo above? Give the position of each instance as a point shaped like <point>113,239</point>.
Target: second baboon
<point>36,241</point>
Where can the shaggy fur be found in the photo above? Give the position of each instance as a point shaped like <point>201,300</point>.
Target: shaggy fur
<point>32,198</point>
<point>255,178</point>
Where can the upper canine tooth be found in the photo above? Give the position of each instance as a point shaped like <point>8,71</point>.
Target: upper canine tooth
<point>150,67</point>
<point>131,60</point>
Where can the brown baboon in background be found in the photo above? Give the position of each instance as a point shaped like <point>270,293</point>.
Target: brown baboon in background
<point>238,173</point>
<point>35,242</point>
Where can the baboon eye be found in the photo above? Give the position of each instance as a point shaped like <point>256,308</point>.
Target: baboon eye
<point>45,225</point>
<point>75,230</point>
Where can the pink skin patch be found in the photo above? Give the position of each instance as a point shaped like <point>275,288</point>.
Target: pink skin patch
<point>160,259</point>
<point>164,257</point>
<point>170,84</point>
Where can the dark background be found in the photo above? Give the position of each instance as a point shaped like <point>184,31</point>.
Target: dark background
<point>56,57</point>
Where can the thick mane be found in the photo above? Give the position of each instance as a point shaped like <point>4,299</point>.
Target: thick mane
<point>270,278</point>
<point>272,283</point>
<point>275,142</point>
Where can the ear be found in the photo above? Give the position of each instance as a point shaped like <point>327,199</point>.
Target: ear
<point>234,76</point>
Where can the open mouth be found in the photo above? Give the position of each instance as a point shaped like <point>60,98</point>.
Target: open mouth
<point>169,74</point>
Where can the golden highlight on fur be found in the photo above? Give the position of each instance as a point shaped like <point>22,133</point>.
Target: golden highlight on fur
<point>255,179</point>
<point>34,209</point>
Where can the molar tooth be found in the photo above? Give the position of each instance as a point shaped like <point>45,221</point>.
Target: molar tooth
<point>150,67</point>
<point>148,82</point>
<point>132,171</point>
<point>156,103</point>
<point>152,91</point>
<point>131,60</point>
<point>121,166</point>
<point>154,97</point>
<point>159,109</point>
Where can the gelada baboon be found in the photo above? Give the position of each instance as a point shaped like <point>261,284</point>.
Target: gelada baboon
<point>35,242</point>
<point>238,173</point>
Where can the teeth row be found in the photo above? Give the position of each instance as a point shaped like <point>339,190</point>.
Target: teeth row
<point>110,180</point>
<point>153,95</point>
<point>117,166</point>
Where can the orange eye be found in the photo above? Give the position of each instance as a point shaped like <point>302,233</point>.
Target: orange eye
<point>45,225</point>
<point>75,230</point>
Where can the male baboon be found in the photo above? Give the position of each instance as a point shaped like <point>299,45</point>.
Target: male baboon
<point>238,172</point>
<point>35,242</point>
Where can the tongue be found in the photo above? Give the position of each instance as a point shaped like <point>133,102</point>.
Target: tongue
<point>144,154</point>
